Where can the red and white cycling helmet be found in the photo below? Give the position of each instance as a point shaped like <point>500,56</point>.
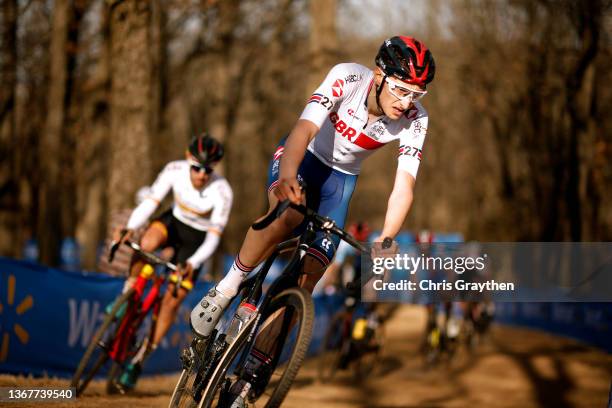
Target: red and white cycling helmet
<point>407,59</point>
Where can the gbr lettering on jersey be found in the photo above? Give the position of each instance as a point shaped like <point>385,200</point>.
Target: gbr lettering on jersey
<point>345,138</point>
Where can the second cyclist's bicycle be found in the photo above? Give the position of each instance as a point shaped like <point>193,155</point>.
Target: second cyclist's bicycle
<point>123,332</point>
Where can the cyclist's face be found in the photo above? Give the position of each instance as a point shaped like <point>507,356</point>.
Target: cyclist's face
<point>397,96</point>
<point>199,176</point>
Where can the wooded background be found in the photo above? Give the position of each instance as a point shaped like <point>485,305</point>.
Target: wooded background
<point>96,96</point>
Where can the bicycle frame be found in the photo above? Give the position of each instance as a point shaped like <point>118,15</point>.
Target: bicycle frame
<point>138,308</point>
<point>291,273</point>
<point>116,339</point>
<point>203,355</point>
<point>119,350</point>
<point>288,278</point>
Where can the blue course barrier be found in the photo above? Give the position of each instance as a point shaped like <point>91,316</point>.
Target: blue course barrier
<point>588,322</point>
<point>48,316</point>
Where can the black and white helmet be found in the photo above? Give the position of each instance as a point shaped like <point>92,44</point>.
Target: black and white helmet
<point>205,149</point>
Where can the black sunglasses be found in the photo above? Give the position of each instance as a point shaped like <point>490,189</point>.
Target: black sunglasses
<point>199,169</point>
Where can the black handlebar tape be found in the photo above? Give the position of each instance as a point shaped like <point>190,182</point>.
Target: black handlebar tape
<point>387,242</point>
<point>111,253</point>
<point>274,214</point>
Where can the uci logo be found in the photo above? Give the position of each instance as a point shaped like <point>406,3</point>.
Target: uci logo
<point>10,313</point>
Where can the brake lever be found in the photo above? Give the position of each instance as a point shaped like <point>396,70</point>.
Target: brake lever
<point>113,248</point>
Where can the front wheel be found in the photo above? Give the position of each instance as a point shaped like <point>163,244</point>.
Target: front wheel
<point>97,352</point>
<point>292,312</point>
<point>188,390</point>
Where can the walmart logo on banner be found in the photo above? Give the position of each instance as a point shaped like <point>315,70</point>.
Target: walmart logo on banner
<point>10,312</point>
<point>48,317</point>
<point>85,316</point>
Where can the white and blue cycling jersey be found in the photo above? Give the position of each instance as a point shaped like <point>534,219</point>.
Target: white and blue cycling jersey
<point>345,138</point>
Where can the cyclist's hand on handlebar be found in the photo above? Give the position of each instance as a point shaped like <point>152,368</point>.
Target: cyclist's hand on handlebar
<point>384,247</point>
<point>122,234</point>
<point>288,188</point>
<point>185,270</point>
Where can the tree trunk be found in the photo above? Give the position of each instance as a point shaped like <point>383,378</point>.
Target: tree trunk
<point>49,221</point>
<point>68,176</point>
<point>92,155</point>
<point>587,19</point>
<point>57,209</point>
<point>323,40</point>
<point>9,160</point>
<point>134,99</point>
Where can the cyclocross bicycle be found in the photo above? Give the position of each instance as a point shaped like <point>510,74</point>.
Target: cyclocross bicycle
<point>123,333</point>
<point>213,367</point>
<point>441,337</point>
<point>351,341</point>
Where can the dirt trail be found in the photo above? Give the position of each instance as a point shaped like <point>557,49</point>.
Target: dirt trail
<point>515,368</point>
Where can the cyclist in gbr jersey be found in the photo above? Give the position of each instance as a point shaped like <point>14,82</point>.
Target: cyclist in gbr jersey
<point>348,133</point>
<point>192,227</point>
<point>353,113</point>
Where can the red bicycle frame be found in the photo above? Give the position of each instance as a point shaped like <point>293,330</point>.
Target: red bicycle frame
<point>136,311</point>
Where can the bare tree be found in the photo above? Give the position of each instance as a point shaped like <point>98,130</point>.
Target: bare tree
<point>134,98</point>
<point>92,147</point>
<point>581,99</point>
<point>539,110</point>
<point>323,45</point>
<point>8,67</point>
<point>56,205</point>
<point>9,189</point>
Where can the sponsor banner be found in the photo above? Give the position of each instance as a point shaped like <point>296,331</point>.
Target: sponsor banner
<point>48,317</point>
<point>507,272</point>
<point>589,322</point>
